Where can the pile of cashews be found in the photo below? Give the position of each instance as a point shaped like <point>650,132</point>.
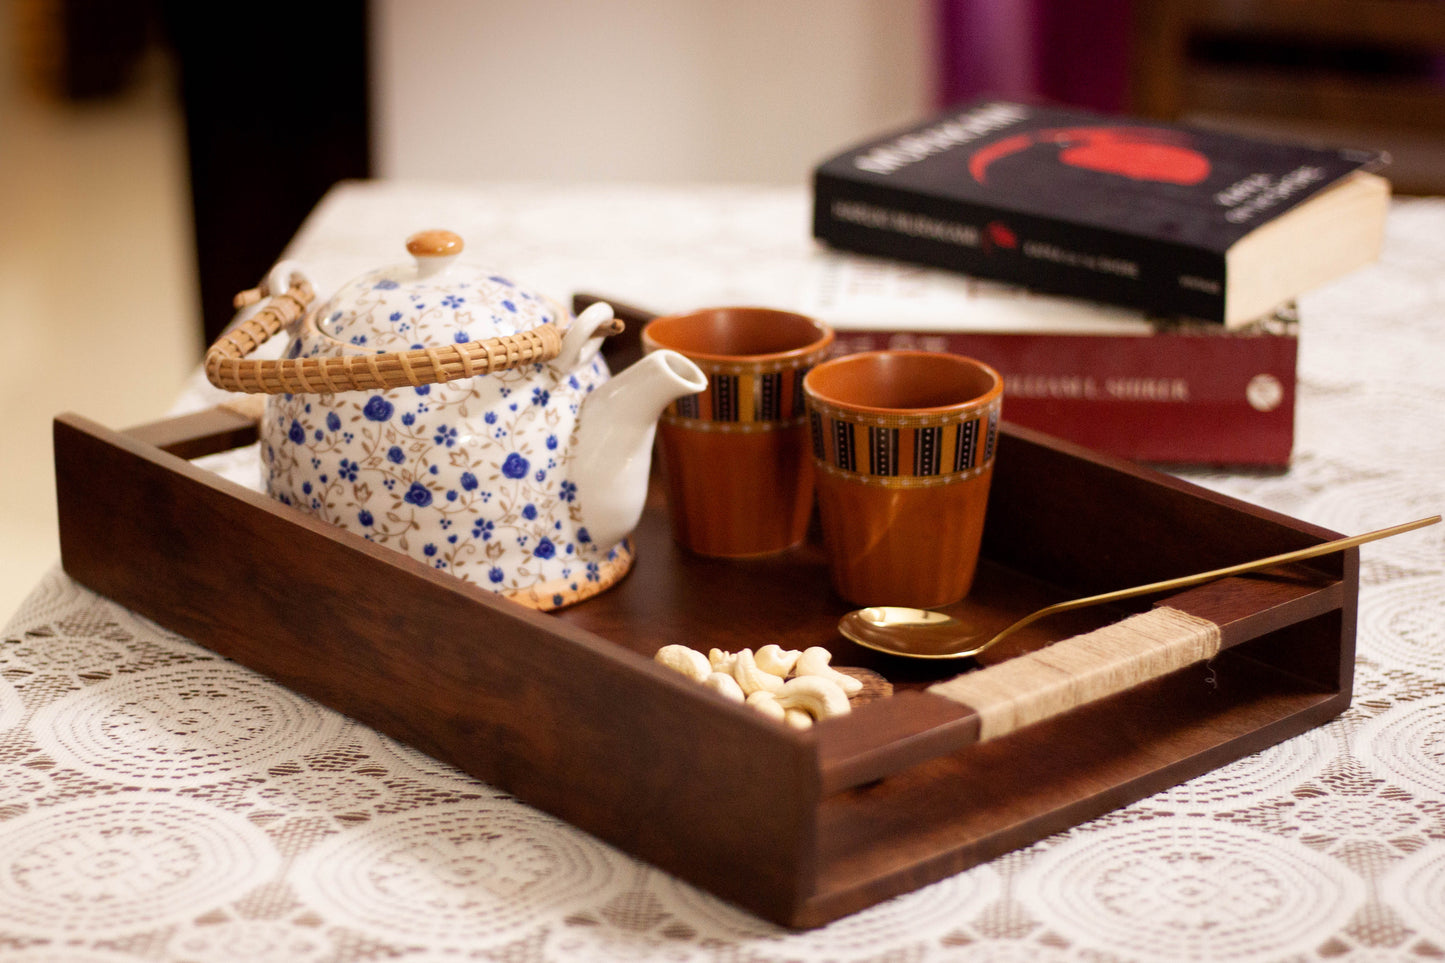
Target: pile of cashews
<point>792,686</point>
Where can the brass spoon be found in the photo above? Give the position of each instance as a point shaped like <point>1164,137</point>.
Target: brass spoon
<point>925,634</point>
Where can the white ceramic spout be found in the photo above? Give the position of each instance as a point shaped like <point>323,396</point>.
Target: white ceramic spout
<point>614,441</point>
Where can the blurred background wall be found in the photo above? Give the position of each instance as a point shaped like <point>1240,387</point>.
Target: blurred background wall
<point>654,90</point>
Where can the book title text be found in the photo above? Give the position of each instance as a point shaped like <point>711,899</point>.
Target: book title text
<point>1251,196</point>
<point>915,146</point>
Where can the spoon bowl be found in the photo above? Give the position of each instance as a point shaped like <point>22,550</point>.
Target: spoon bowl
<point>927,634</point>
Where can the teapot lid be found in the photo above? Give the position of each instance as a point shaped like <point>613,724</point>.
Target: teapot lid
<point>432,301</point>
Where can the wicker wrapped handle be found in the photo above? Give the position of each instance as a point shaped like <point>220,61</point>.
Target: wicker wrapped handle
<point>229,365</point>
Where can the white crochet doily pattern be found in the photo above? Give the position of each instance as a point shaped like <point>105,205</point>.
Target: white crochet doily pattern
<point>158,802</point>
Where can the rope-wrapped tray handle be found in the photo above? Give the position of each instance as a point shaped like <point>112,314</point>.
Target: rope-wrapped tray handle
<point>229,365</point>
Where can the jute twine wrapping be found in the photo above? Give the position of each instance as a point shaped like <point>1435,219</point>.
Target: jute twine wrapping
<point>229,367</point>
<point>1076,671</point>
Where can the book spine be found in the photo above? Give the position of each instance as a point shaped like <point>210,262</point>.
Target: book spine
<point>1196,399</point>
<point>1044,254</point>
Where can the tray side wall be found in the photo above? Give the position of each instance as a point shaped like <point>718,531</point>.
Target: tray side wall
<point>946,815</point>
<point>613,744</point>
<point>1106,523</point>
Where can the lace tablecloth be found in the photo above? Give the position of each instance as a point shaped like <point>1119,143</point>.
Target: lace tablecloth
<point>158,802</point>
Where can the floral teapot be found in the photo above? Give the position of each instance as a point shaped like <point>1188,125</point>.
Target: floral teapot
<point>463,420</point>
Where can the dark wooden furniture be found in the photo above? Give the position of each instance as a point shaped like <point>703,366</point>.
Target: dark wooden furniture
<point>1363,73</point>
<point>276,98</point>
<point>569,712</point>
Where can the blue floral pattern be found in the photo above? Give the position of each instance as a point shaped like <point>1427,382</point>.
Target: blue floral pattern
<point>469,477</point>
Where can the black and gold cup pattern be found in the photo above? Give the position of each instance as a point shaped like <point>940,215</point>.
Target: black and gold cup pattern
<point>744,398</point>
<point>903,450</point>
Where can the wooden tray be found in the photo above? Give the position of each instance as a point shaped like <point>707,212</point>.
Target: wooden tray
<point>568,712</point>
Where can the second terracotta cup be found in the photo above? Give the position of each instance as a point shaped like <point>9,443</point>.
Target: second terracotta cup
<point>904,445</point>
<point>735,456</point>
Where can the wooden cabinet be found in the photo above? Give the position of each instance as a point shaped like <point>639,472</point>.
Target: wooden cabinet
<point>1368,73</point>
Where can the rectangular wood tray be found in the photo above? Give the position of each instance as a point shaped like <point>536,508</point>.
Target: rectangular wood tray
<point>568,712</point>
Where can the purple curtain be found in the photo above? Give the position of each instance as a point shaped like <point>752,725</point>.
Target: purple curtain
<point>1068,51</point>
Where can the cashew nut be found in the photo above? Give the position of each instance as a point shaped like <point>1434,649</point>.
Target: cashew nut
<point>814,662</point>
<point>726,685</point>
<point>797,718</point>
<point>689,662</point>
<point>764,702</point>
<point>816,691</point>
<point>777,660</point>
<point>752,678</point>
<point>815,695</point>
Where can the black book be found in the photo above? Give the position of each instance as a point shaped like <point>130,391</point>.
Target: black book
<point>1169,219</point>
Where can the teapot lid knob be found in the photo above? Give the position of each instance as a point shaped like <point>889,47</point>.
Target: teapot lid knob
<point>434,250</point>
<point>434,244</point>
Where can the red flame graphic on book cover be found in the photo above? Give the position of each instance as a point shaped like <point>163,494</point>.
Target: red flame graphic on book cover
<point>1139,153</point>
<point>999,234</point>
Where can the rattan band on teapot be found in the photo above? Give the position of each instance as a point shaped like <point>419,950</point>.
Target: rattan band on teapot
<point>229,365</point>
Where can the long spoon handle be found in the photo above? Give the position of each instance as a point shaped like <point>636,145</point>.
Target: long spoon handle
<point>1185,581</point>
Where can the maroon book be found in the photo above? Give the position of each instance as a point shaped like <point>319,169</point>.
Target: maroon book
<point>1112,379</point>
<point>1164,218</point>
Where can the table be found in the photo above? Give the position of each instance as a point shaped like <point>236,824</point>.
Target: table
<point>158,802</point>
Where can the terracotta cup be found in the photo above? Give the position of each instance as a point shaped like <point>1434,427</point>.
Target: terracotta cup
<point>904,443</point>
<point>735,456</point>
